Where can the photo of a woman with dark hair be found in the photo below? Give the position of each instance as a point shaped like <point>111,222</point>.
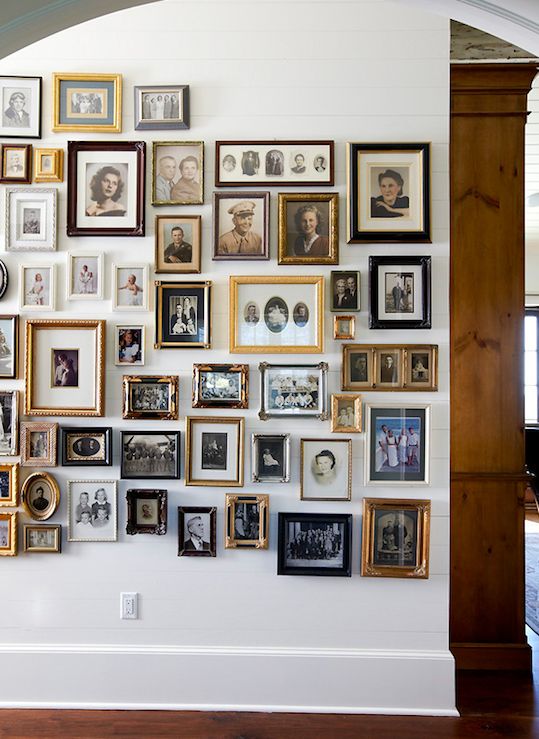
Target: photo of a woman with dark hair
<point>106,188</point>
<point>391,203</point>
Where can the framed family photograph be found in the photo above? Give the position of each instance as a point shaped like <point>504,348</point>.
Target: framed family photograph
<point>220,386</point>
<point>241,225</point>
<point>42,538</point>
<point>16,163</point>
<point>87,102</point>
<point>345,289</point>
<point>9,485</point>
<point>9,347</point>
<point>40,495</point>
<point>146,512</point>
<point>37,288</point>
<point>85,276</point>
<point>178,173</point>
<point>214,451</point>
<point>395,538</point>
<point>247,521</point>
<point>315,544</point>
<point>309,228</point>
<point>400,292</point>
<point>397,444</point>
<point>48,165</point>
<point>38,443</point>
<point>283,163</point>
<point>92,510</point>
<point>389,193</point>
<point>346,413</point>
<point>182,315</point>
<point>105,188</point>
<point>30,219</point>
<point>293,390</point>
<point>8,534</point>
<point>86,447</point>
<point>276,315</point>
<point>196,531</point>
<point>390,367</point>
<point>344,327</point>
<point>21,107</point>
<point>129,341</point>
<point>270,458</point>
<point>150,455</point>
<point>161,107</point>
<point>9,422</point>
<point>326,469</point>
<point>178,241</point>
<point>65,367</point>
<point>130,287</point>
<point>151,397</point>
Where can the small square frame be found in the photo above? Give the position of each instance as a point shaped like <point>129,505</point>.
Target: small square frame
<point>241,370</point>
<point>184,514</point>
<point>27,429</point>
<point>56,547</point>
<point>132,381</point>
<point>256,441</point>
<point>133,525</point>
<point>232,502</point>
<point>55,173</point>
<point>344,327</point>
<point>339,428</point>
<point>25,175</point>
<point>8,547</point>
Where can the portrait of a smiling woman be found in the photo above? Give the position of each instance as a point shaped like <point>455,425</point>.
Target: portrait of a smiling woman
<point>106,190</point>
<point>391,202</point>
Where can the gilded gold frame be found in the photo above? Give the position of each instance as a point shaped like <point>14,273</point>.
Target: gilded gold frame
<point>236,280</point>
<point>54,503</point>
<point>232,499</point>
<point>191,421</point>
<point>171,414</point>
<point>333,227</point>
<point>358,413</point>
<point>51,429</point>
<point>59,77</point>
<point>11,549</point>
<point>348,443</point>
<point>32,365</point>
<point>57,175</point>
<point>242,370</point>
<point>57,546</point>
<point>200,145</point>
<point>340,335</point>
<point>13,470</point>
<point>405,351</point>
<point>368,567</point>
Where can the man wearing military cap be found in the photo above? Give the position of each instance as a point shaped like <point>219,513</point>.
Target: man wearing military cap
<point>241,240</point>
<point>15,115</point>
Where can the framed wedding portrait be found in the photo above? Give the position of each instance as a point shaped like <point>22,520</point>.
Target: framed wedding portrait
<point>270,458</point>
<point>178,173</point>
<point>293,390</point>
<point>161,107</point>
<point>9,485</point>
<point>40,495</point>
<point>130,287</point>
<point>87,102</point>
<point>37,287</point>
<point>150,455</point>
<point>42,538</point>
<point>65,367</point>
<point>395,539</point>
<point>30,219</point>
<point>317,544</point>
<point>8,534</point>
<point>220,386</point>
<point>346,413</point>
<point>9,347</point>
<point>400,292</point>
<point>182,315</point>
<point>345,291</point>
<point>21,107</point>
<point>276,315</point>
<point>197,531</point>
<point>86,446</point>
<point>92,510</point>
<point>38,444</point>
<point>389,193</point>
<point>146,512</point>
<point>85,275</point>
<point>16,163</point>
<point>247,521</point>
<point>150,397</point>
<point>105,188</point>
<point>241,225</point>
<point>48,165</point>
<point>129,342</point>
<point>326,469</point>
<point>177,244</point>
<point>214,451</point>
<point>309,228</point>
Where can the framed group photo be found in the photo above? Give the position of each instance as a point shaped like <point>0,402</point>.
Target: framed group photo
<point>241,225</point>
<point>346,413</point>
<point>178,173</point>
<point>178,242</point>
<point>30,219</point>
<point>161,107</point>
<point>326,469</point>
<point>400,292</point>
<point>220,386</point>
<point>293,390</point>
<point>150,397</point>
<point>86,446</point>
<point>309,228</point>
<point>42,538</point>
<point>9,485</point>
<point>87,102</point>
<point>150,455</point>
<point>147,512</point>
<point>247,521</point>
<point>270,458</point>
<point>214,451</point>
<point>20,98</point>
<point>92,510</point>
<point>197,531</point>
<point>182,315</point>
<point>315,544</point>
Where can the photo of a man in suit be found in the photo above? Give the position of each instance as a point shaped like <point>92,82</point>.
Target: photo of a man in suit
<point>195,535</point>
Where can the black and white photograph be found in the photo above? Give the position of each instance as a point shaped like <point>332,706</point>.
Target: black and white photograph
<point>8,534</point>
<point>21,107</point>
<point>276,315</point>
<point>247,518</point>
<point>92,510</point>
<point>87,102</point>
<point>390,189</point>
<point>161,107</point>
<point>314,544</point>
<point>4,532</point>
<point>183,311</point>
<point>129,345</point>
<point>130,287</point>
<point>389,367</point>
<point>83,104</point>
<point>420,367</point>
<point>345,291</point>
<point>241,225</point>
<point>85,276</point>
<point>220,385</point>
<point>150,455</point>
<point>300,314</point>
<point>40,495</point>
<point>9,346</point>
<point>196,531</point>
<point>64,367</point>
<point>293,390</point>
<point>182,315</point>
<point>88,446</point>
<point>270,458</point>
<point>30,219</point>
<point>9,485</point>
<point>214,451</point>
<point>344,327</point>
<point>146,512</point>
<point>400,292</point>
<point>308,228</point>
<point>150,396</point>
<point>9,421</point>
<point>38,444</point>
<point>178,172</point>
<point>5,492</point>
<point>326,469</point>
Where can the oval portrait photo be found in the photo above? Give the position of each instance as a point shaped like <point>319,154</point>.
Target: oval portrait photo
<point>276,315</point>
<point>300,314</point>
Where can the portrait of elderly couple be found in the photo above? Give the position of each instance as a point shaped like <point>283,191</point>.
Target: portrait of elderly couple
<point>177,173</point>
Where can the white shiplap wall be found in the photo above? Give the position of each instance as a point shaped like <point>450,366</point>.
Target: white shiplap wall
<point>228,632</point>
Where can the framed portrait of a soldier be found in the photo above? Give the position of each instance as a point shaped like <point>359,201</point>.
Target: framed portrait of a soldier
<point>293,390</point>
<point>92,510</point>
<point>346,413</point>
<point>9,485</point>
<point>105,188</point>
<point>48,165</point>
<point>395,539</point>
<point>197,531</point>
<point>389,193</point>
<point>9,422</point>
<point>177,244</point>
<point>326,469</point>
<point>276,314</point>
<point>20,98</point>
<point>241,225</point>
<point>86,447</point>
<point>161,107</point>
<point>246,521</point>
<point>318,544</point>
<point>38,443</point>
<point>283,163</point>
<point>345,291</point>
<point>30,219</point>
<point>16,163</point>
<point>309,228</point>
<point>270,458</point>
<point>400,292</point>
<point>9,347</point>
<point>344,327</point>
<point>40,495</point>
<point>178,173</point>
<point>87,102</point>
<point>42,538</point>
<point>8,534</point>
<point>150,397</point>
<point>182,315</point>
<point>150,455</point>
<point>397,443</point>
<point>214,451</point>
<point>220,386</point>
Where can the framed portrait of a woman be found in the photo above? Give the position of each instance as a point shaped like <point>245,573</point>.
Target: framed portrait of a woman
<point>389,193</point>
<point>105,188</point>
<point>308,228</point>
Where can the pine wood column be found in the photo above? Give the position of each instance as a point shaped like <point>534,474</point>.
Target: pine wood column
<point>488,114</point>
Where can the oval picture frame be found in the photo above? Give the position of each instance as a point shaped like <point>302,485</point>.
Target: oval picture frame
<point>3,279</point>
<point>40,513</point>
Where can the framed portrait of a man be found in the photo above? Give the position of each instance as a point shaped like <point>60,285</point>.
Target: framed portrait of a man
<point>326,469</point>
<point>87,102</point>
<point>177,244</point>
<point>182,315</point>
<point>16,163</point>
<point>147,512</point>
<point>196,531</point>
<point>400,292</point>
<point>308,228</point>
<point>178,173</point>
<point>161,107</point>
<point>241,225</point>
<point>20,100</point>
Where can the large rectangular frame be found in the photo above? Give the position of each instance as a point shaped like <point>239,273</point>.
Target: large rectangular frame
<point>321,410</point>
<point>405,370</point>
<point>345,519</point>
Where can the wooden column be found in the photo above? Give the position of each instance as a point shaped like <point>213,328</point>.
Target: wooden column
<point>488,114</point>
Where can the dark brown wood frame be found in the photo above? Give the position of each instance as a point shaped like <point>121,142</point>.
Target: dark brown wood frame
<point>27,177</point>
<point>182,511</point>
<point>160,528</point>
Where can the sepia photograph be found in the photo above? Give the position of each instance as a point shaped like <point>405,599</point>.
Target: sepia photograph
<point>346,413</point>
<point>314,544</point>
<point>146,512</point>
<point>30,219</point>
<point>130,287</point>
<point>85,276</point>
<point>344,327</point>
<point>86,446</point>
<point>48,165</point>
<point>42,538</point>
<point>37,287</point>
<point>345,291</point>
<point>389,367</point>
<point>38,444</point>
<point>150,454</point>
<point>40,495</point>
<point>92,510</point>
<point>20,98</point>
<point>326,469</point>
<point>16,163</point>
<point>178,172</point>
<point>9,346</point>
<point>8,534</point>
<point>177,244</point>
<point>293,390</point>
<point>308,228</point>
<point>241,225</point>
<point>64,367</point>
<point>400,292</point>
<point>196,531</point>
<point>106,189</point>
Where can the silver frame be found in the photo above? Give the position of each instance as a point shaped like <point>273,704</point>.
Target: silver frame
<point>321,413</point>
<point>255,455</point>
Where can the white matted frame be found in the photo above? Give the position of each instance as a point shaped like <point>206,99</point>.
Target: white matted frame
<point>82,282</point>
<point>102,495</point>
<point>30,219</point>
<point>227,467</point>
<point>128,294</point>
<point>22,118</point>
<point>125,352</point>
<point>37,287</point>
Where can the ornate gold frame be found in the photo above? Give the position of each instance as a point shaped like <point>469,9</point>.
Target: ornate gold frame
<point>358,413</point>
<point>51,429</point>
<point>169,415</point>
<point>333,227</point>
<point>405,351</point>
<point>59,77</point>
<point>57,546</point>
<point>13,470</point>
<point>32,365</point>
<point>220,420</point>
<point>263,521</point>
<point>51,509</point>
<point>236,280</point>
<point>421,569</point>
<point>57,175</point>
<point>242,370</point>
<point>339,335</point>
<point>348,443</point>
<point>11,549</point>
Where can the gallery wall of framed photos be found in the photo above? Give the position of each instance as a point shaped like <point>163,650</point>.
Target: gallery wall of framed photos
<point>231,283</point>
